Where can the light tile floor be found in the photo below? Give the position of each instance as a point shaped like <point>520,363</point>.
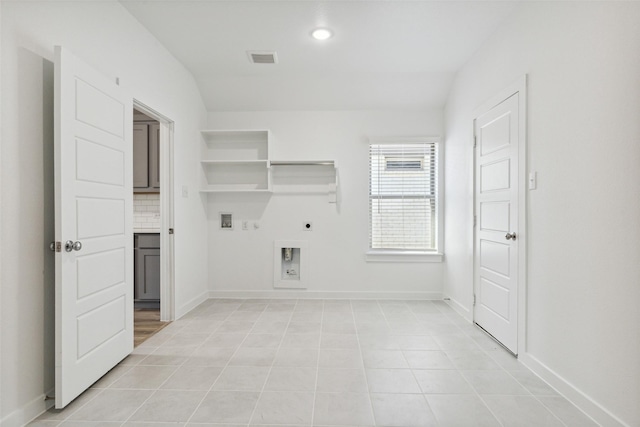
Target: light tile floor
<point>319,363</point>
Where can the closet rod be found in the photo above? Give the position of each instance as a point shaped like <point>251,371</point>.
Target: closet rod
<point>303,163</point>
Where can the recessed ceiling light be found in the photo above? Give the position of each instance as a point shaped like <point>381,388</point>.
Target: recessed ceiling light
<point>321,34</point>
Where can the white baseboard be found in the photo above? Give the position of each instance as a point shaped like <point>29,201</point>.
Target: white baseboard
<point>24,415</point>
<point>190,305</point>
<point>583,402</point>
<point>459,308</point>
<point>304,294</point>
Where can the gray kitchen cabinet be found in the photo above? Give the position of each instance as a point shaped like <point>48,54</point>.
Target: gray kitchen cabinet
<point>140,156</point>
<point>146,158</point>
<point>154,156</point>
<point>146,251</point>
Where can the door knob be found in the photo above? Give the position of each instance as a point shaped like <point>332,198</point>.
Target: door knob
<point>510,236</point>
<point>70,245</point>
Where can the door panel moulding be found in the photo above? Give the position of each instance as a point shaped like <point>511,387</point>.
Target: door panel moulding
<point>518,87</point>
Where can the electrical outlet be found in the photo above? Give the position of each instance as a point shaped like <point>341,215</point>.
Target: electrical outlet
<point>245,225</point>
<point>256,225</point>
<point>307,226</point>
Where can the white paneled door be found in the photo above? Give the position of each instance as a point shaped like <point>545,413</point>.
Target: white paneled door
<point>93,226</point>
<point>496,210</point>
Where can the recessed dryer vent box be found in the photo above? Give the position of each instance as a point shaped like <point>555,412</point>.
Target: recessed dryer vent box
<point>289,264</point>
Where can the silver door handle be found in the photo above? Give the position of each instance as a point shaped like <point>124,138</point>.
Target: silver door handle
<point>70,245</point>
<point>510,236</point>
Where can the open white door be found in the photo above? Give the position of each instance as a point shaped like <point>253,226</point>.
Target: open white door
<point>496,207</point>
<point>93,226</point>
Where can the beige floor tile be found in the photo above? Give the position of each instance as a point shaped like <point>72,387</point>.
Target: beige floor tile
<point>262,341</point>
<point>343,409</point>
<point>210,356</point>
<point>250,378</point>
<point>192,378</point>
<point>428,360</point>
<point>341,380</point>
<point>338,327</point>
<point>144,377</point>
<point>340,358</point>
<point>284,408</point>
<point>417,342</point>
<point>461,411</point>
<point>113,405</point>
<point>291,379</point>
<point>533,383</point>
<point>297,357</point>
<point>442,381</point>
<point>472,360</point>
<point>392,381</point>
<point>235,327</point>
<point>383,359</point>
<point>253,357</point>
<point>494,382</point>
<point>226,407</point>
<point>301,341</point>
<point>521,411</point>
<point>168,406</point>
<point>568,413</point>
<point>402,410</point>
<point>339,341</point>
<point>220,340</point>
<point>168,356</point>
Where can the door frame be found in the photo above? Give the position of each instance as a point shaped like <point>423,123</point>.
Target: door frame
<point>519,87</point>
<point>167,249</point>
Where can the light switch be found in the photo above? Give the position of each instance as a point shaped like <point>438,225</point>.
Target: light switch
<point>245,224</point>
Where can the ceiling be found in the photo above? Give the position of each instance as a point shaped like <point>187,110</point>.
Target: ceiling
<point>383,55</point>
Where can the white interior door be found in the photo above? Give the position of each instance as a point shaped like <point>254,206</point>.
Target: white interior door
<point>496,209</point>
<point>93,212</point>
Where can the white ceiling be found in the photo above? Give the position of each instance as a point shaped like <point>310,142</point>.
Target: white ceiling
<point>384,54</point>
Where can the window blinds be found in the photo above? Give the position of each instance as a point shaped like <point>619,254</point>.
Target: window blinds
<point>403,196</point>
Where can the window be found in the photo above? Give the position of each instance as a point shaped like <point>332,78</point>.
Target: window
<point>403,199</point>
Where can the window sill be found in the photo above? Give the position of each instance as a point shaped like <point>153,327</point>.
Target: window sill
<point>402,256</point>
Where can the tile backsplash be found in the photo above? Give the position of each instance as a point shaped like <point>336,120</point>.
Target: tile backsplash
<point>146,211</point>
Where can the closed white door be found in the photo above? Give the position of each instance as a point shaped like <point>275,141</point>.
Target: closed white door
<point>496,209</point>
<point>93,225</point>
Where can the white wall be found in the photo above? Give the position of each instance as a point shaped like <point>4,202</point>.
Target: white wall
<point>243,260</point>
<point>106,36</point>
<point>583,64</point>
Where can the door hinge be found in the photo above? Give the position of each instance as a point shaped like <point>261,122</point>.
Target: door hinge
<point>55,246</point>
<point>475,141</point>
<point>474,300</point>
<point>475,220</point>
<point>171,231</point>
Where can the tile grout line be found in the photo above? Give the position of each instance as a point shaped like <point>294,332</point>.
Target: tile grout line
<point>409,366</point>
<point>315,384</point>
<point>475,392</point>
<point>172,374</point>
<point>264,385</point>
<point>364,368</point>
<point>223,369</point>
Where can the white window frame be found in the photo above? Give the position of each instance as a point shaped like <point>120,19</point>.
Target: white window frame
<point>400,255</point>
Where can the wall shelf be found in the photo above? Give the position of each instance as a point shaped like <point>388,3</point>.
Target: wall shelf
<point>235,161</point>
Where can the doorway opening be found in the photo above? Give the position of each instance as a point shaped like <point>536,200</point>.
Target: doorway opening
<point>152,222</point>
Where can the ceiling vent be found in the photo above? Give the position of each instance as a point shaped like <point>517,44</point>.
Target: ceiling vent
<point>261,57</point>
